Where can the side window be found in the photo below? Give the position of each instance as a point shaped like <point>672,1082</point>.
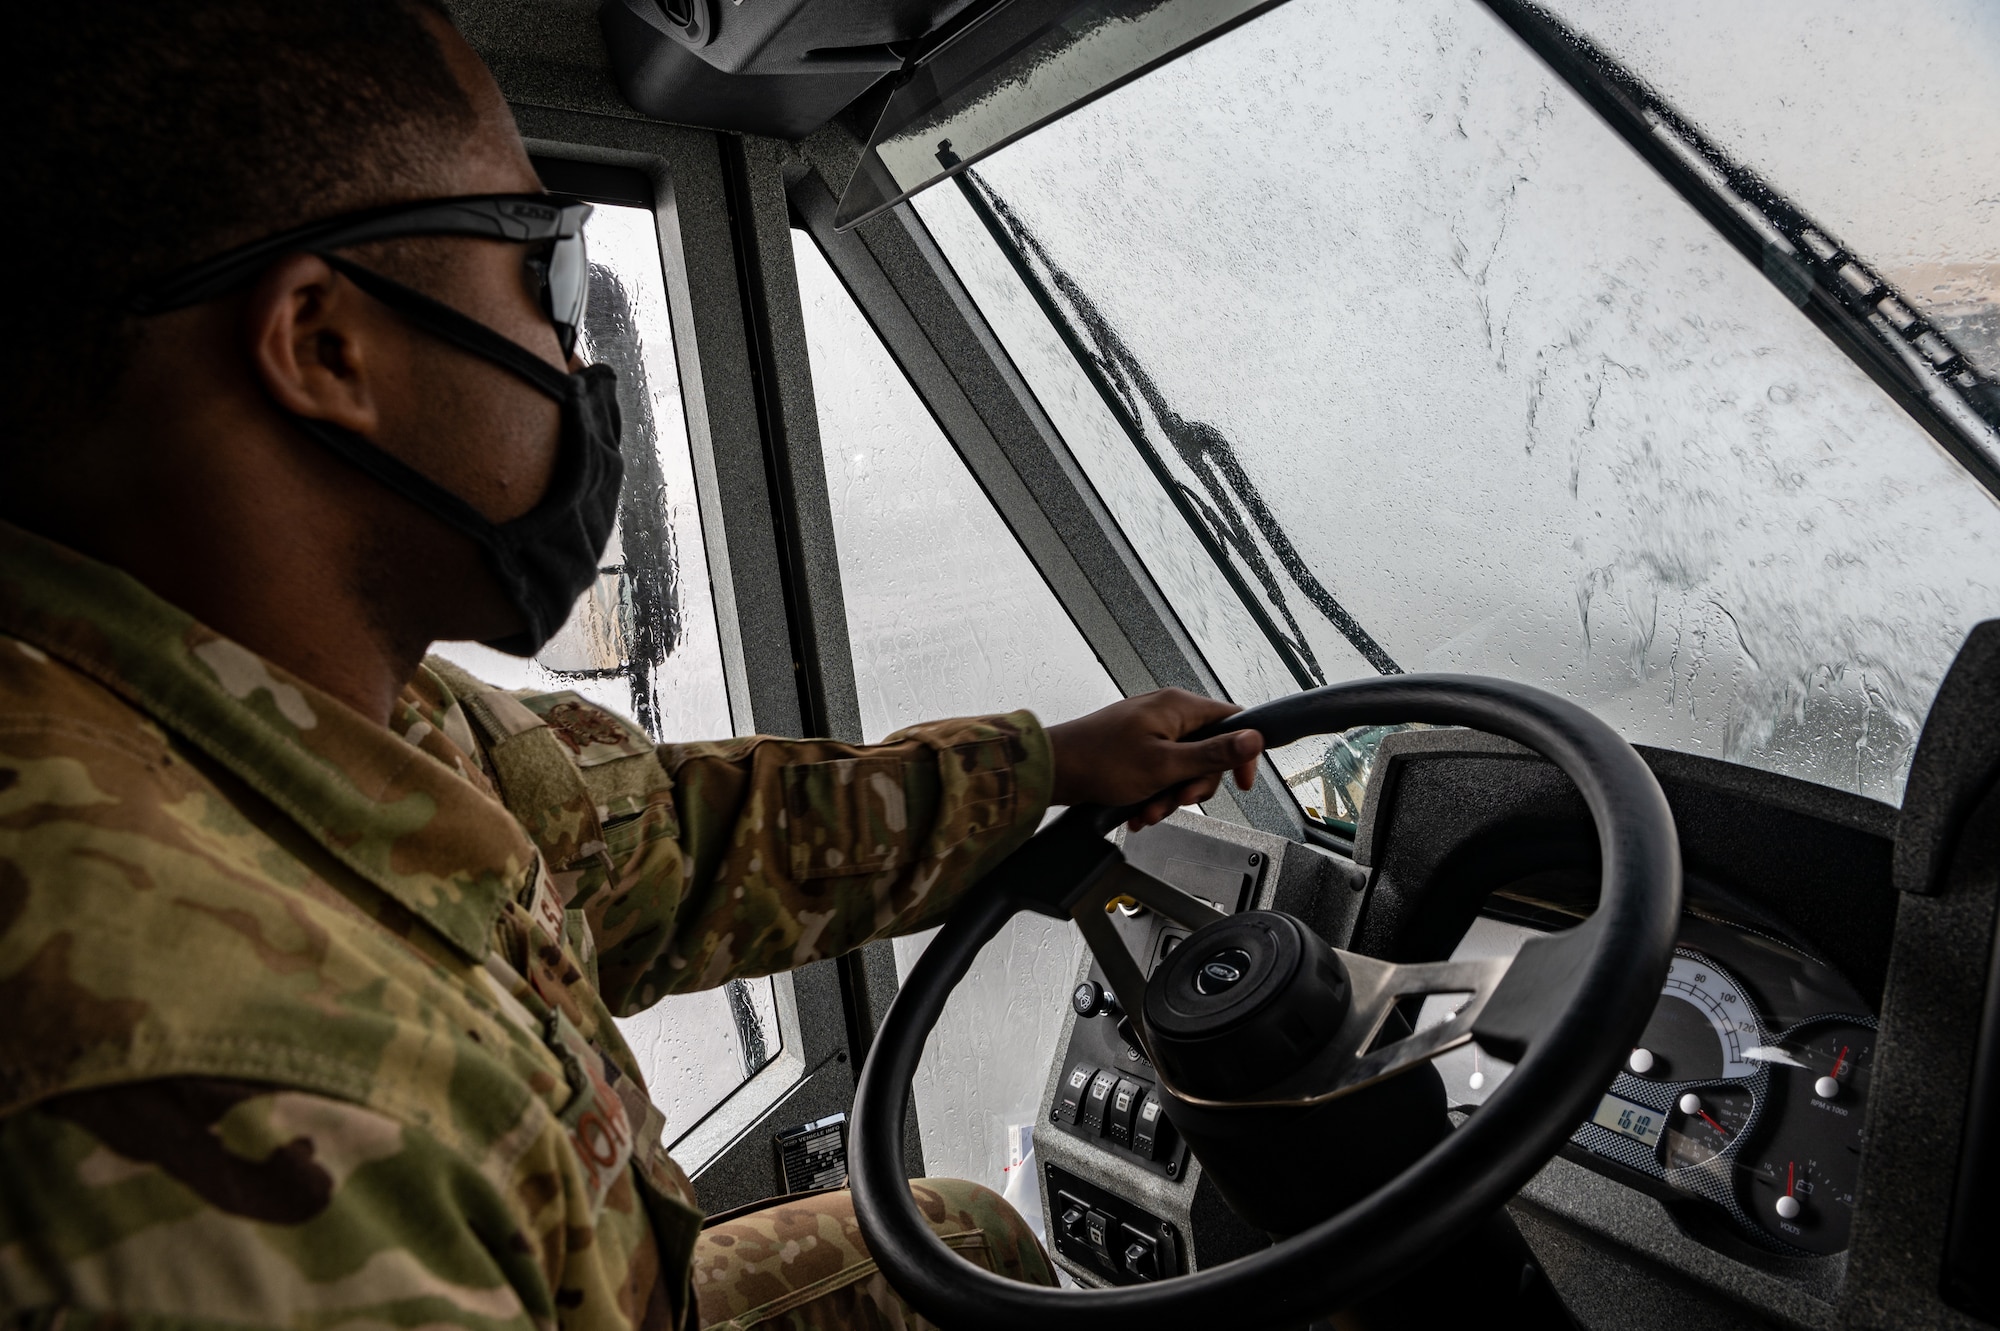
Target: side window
<point>946,616</point>
<point>643,641</point>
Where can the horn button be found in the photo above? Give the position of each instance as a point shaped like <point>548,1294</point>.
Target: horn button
<point>1244,1003</point>
<point>1221,971</point>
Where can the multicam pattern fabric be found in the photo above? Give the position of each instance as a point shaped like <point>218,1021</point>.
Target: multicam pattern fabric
<point>305,1028</point>
<point>802,1266</point>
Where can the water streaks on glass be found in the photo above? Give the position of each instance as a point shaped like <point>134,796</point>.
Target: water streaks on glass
<point>1514,404</point>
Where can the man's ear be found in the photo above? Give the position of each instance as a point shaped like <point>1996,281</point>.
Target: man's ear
<point>310,335</point>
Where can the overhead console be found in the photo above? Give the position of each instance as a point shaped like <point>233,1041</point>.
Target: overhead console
<point>777,67</point>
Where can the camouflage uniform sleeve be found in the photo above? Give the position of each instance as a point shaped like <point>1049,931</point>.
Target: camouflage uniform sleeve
<point>330,1213</point>
<point>692,864</point>
<point>783,852</point>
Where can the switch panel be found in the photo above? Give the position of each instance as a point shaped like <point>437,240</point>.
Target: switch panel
<point>1120,1113</point>
<point>1115,1240</point>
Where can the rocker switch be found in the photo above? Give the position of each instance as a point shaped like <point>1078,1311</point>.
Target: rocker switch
<point>1072,1219</point>
<point>1098,1231</point>
<point>1069,1098</point>
<point>1149,1129</point>
<point>1124,1108</point>
<point>1141,1256</point>
<point>1097,1102</point>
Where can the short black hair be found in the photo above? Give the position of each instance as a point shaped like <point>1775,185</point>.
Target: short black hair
<point>148,134</point>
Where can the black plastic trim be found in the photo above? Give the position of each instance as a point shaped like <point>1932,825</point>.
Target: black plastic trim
<point>1971,1276</point>
<point>813,716</point>
<point>595,182</point>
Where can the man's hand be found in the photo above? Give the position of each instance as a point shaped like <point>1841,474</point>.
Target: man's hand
<point>1132,751</point>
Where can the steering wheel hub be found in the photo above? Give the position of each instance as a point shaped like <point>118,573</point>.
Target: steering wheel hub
<point>1244,1003</point>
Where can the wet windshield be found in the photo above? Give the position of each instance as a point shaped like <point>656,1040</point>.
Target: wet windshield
<point>1877,120</point>
<point>1397,357</point>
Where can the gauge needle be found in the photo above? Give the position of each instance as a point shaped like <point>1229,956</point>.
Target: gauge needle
<point>1839,1063</point>
<point>1791,1170</point>
<point>1712,1123</point>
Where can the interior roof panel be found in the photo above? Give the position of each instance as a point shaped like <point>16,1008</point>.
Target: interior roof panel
<point>544,52</point>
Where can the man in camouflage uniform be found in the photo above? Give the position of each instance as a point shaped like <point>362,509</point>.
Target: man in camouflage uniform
<point>309,946</point>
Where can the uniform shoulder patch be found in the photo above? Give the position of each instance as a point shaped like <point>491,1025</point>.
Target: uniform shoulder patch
<point>591,733</point>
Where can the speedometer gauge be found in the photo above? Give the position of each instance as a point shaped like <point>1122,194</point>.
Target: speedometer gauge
<point>1701,1029</point>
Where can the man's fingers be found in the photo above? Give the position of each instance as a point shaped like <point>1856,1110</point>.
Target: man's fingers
<point>1194,792</point>
<point>1233,752</point>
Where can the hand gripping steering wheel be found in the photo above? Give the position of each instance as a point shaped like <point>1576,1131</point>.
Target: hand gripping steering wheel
<point>1293,1037</point>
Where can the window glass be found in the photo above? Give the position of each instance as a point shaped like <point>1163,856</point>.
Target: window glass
<point>1876,119</point>
<point>643,641</point>
<point>1432,355</point>
<point>946,616</point>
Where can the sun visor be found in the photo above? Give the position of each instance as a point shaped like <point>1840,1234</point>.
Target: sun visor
<point>1021,65</point>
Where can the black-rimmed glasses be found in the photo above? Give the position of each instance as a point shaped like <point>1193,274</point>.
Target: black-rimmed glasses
<point>561,269</point>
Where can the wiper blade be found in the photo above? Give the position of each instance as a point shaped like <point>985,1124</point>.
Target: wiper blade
<point>1228,515</point>
<point>1863,314</point>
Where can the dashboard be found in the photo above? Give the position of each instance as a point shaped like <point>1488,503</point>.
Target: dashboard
<point>1743,1102</point>
<point>1727,1175</point>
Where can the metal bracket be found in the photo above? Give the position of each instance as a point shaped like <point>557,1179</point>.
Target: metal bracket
<point>1377,986</point>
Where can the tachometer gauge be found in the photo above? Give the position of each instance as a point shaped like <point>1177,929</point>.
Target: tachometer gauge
<point>1706,1123</point>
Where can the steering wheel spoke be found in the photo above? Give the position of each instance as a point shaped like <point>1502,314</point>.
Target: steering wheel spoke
<point>1378,987</point>
<point>1092,913</point>
<point>1354,1060</point>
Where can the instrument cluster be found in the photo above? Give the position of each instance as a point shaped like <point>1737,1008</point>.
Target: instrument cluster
<point>1746,1093</point>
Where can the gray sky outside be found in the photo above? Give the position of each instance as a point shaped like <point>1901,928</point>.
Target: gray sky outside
<point>1519,408</point>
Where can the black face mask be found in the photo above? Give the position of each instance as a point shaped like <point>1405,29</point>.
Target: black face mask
<point>548,556</point>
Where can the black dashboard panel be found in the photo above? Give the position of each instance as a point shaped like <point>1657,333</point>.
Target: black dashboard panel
<point>1744,1105</point>
<point>1453,817</point>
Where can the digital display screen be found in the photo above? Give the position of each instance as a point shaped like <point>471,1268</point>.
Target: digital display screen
<point>1629,1120</point>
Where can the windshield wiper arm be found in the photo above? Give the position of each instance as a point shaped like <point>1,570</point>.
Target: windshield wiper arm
<point>1233,514</point>
<point>1865,316</point>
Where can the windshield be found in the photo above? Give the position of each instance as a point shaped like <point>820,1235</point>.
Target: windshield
<point>1393,356</point>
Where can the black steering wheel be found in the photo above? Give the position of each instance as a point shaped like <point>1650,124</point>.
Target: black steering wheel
<point>1566,1010</point>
